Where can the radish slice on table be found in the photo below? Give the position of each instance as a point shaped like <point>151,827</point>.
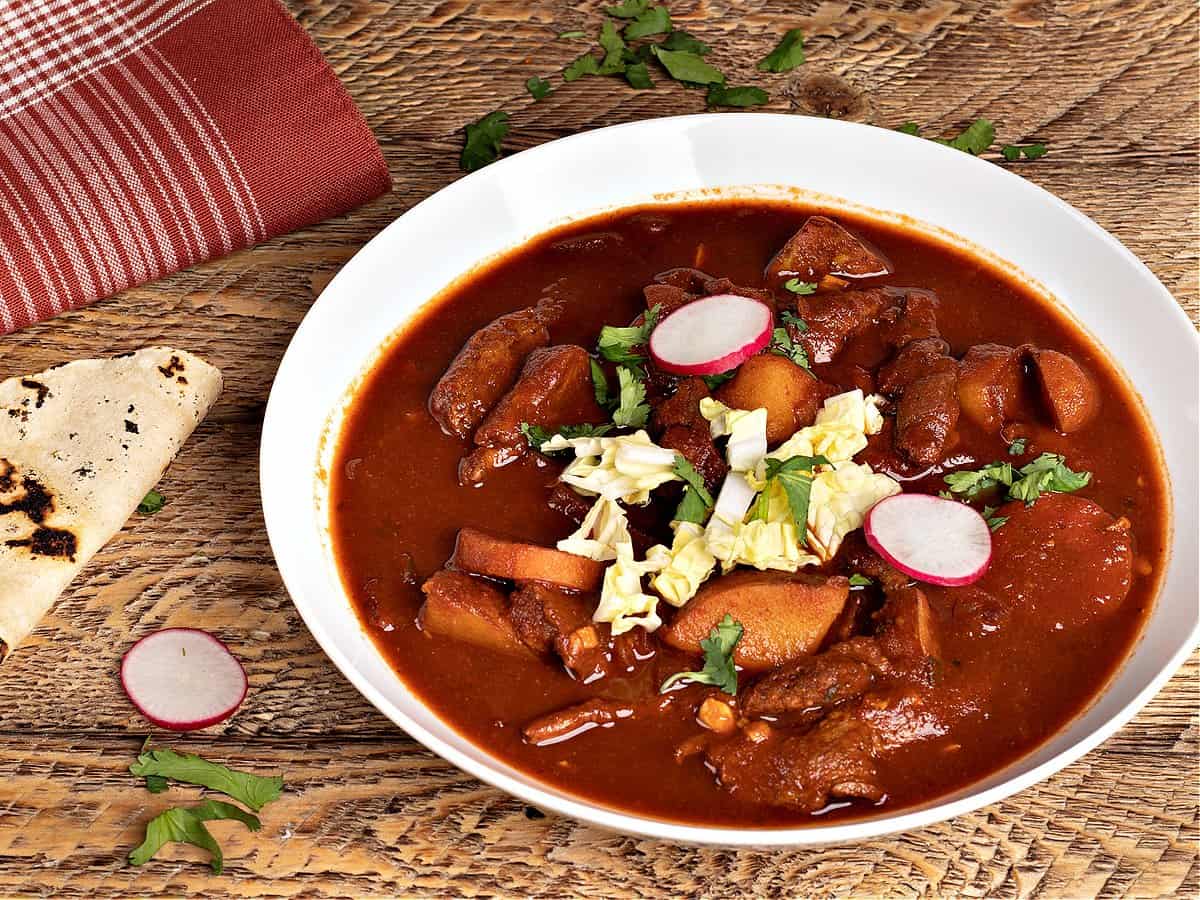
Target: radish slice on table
<point>183,679</point>
<point>711,336</point>
<point>929,538</point>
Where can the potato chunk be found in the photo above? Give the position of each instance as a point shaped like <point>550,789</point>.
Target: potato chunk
<point>1067,392</point>
<point>486,554</point>
<point>989,384</point>
<point>823,247</point>
<point>790,395</point>
<point>468,609</point>
<point>785,616</point>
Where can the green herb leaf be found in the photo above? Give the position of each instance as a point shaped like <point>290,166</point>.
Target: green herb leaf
<point>185,825</point>
<point>536,435</point>
<point>619,344</point>
<point>860,581</point>
<point>795,475</point>
<point>1013,152</point>
<point>655,20</point>
<point>719,95</point>
<point>683,65</point>
<point>614,50</point>
<point>627,9</point>
<point>909,128</point>
<point>255,791</point>
<point>718,659</point>
<point>1017,447</point>
<point>638,76</point>
<point>993,521</point>
<point>581,66</point>
<point>681,40</point>
<point>973,483</point>
<point>715,381</point>
<point>974,139</point>
<point>697,501</point>
<point>538,87</point>
<point>796,286</point>
<point>599,384</point>
<point>151,503</point>
<point>688,473</point>
<point>571,35</point>
<point>1048,473</point>
<point>786,56</point>
<point>633,410</point>
<point>783,345</point>
<point>794,321</point>
<point>156,784</point>
<point>483,141</point>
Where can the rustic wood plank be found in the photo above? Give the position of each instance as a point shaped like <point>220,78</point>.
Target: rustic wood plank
<point>1112,86</point>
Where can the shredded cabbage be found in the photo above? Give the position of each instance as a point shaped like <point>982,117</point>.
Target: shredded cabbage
<point>686,564</point>
<point>602,530</point>
<point>622,601</point>
<point>626,467</point>
<point>841,496</point>
<point>840,431</point>
<point>746,429</point>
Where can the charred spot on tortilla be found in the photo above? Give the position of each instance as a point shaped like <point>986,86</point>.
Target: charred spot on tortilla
<point>46,541</point>
<point>173,368</point>
<point>42,391</point>
<point>131,427</point>
<point>35,501</point>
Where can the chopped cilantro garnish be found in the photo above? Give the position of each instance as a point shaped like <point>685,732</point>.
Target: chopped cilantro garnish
<point>614,48</point>
<point>483,141</point>
<point>681,40</point>
<point>185,825</point>
<point>537,436</point>
<point>974,139</point>
<point>151,503</point>
<point>715,381</point>
<point>1048,473</point>
<point>795,476</point>
<point>1017,447</point>
<point>617,344</point>
<point>909,128</point>
<point>1013,152</point>
<point>860,581</point>
<point>719,95</point>
<point>600,385</point>
<point>697,501</point>
<point>718,659</point>
<point>655,20</point>
<point>783,345</point>
<point>786,56</point>
<point>683,65</point>
<point>633,410</point>
<point>255,791</point>
<point>973,483</point>
<point>794,321</point>
<point>993,521</point>
<point>638,76</point>
<point>627,9</point>
<point>538,87</point>
<point>571,35</point>
<point>796,286</point>
<point>585,64</point>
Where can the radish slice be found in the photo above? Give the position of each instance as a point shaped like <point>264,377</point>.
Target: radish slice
<point>711,336</point>
<point>932,539</point>
<point>183,679</point>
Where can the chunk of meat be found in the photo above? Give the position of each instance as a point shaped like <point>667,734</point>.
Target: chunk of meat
<point>928,356</point>
<point>823,247</point>
<point>497,557</point>
<point>484,370</point>
<point>684,278</point>
<point>843,672</point>
<point>468,609</point>
<point>906,628</point>
<point>555,389</point>
<point>790,395</point>
<point>1068,393</point>
<point>545,616</point>
<point>697,447</point>
<point>715,286</point>
<point>989,384</point>
<point>914,319</point>
<point>667,297</point>
<point>574,720</point>
<point>785,615</point>
<point>926,417</point>
<point>835,318</point>
<point>861,558</point>
<point>1061,561</point>
<point>836,758</point>
<point>681,408</point>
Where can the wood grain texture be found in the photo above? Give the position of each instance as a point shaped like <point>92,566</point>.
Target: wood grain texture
<point>1112,86</point>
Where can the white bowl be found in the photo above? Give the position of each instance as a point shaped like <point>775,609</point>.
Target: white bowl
<point>752,154</point>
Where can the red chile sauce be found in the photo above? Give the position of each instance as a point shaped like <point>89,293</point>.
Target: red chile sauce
<point>397,505</point>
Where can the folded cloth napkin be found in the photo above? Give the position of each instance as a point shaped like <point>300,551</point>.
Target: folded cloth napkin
<point>138,137</point>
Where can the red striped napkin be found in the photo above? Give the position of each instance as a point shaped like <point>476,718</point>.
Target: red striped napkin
<point>138,137</point>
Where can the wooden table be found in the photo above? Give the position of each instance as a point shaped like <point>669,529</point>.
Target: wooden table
<point>1110,86</point>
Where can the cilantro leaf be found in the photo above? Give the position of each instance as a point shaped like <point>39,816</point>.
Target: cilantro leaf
<point>581,66</point>
<point>715,381</point>
<point>571,35</point>
<point>1013,152</point>
<point>909,128</point>
<point>151,503</point>
<point>683,65</point>
<point>655,20</point>
<point>795,476</point>
<point>185,825</point>
<point>599,384</point>
<point>783,345</point>
<point>858,581</point>
<point>255,791</point>
<point>633,410</point>
<point>718,659</point>
<point>796,286</point>
<point>156,784</point>
<point>974,139</point>
<point>1017,447</point>
<point>794,321</point>
<point>681,40</point>
<point>993,521</point>
<point>638,76</point>
<point>538,87</point>
<point>617,344</point>
<point>688,473</point>
<point>614,50</point>
<point>973,483</point>
<point>483,139</point>
<point>719,95</point>
<point>697,501</point>
<point>536,435</point>
<point>1048,473</point>
<point>627,9</point>
<point>786,56</point>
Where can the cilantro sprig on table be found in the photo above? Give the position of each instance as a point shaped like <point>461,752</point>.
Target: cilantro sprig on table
<point>718,668</point>
<point>977,138</point>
